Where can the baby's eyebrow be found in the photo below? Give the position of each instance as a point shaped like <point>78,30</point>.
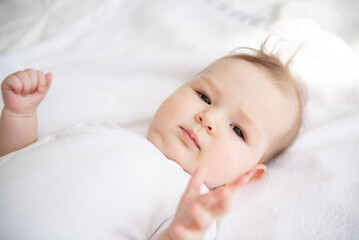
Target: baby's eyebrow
<point>248,119</point>
<point>211,83</point>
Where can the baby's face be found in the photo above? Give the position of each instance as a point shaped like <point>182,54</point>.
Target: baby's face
<point>224,120</point>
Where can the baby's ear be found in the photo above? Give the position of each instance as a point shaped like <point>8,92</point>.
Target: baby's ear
<point>256,172</point>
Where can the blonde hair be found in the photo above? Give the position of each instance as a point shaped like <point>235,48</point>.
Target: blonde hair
<point>290,85</point>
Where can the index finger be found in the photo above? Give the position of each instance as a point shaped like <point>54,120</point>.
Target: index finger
<point>195,183</point>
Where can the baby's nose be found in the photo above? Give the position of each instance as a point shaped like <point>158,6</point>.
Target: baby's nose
<point>203,119</point>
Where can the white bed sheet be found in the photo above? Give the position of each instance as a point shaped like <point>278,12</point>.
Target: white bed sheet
<point>119,62</point>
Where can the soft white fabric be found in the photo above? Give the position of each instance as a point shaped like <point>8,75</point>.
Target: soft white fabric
<point>89,182</point>
<point>23,23</point>
<point>120,61</point>
<point>337,16</point>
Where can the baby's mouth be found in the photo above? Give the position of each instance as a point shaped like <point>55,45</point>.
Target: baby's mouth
<point>190,137</point>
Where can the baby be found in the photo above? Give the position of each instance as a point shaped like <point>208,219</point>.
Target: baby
<point>221,127</point>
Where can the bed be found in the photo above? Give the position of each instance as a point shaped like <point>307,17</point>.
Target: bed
<point>118,60</point>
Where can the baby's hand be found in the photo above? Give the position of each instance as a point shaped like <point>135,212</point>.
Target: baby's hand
<point>196,212</point>
<point>23,91</point>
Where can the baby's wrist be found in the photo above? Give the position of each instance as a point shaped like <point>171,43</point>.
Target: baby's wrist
<point>29,113</point>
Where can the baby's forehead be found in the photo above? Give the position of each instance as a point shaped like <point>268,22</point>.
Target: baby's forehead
<point>231,72</point>
<point>239,66</point>
<point>221,63</point>
<point>277,74</point>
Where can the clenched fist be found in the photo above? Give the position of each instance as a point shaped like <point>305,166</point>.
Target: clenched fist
<point>23,91</point>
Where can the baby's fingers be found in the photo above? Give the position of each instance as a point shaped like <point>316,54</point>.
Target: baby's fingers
<point>48,80</point>
<point>195,183</point>
<point>12,83</point>
<point>240,182</point>
<point>44,81</point>
<point>224,202</point>
<point>28,79</point>
<point>201,216</point>
<point>40,86</point>
<point>217,202</point>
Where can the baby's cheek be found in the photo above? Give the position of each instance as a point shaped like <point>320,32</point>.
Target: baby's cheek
<point>220,167</point>
<point>233,161</point>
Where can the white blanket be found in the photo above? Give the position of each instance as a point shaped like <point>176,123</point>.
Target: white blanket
<point>120,61</point>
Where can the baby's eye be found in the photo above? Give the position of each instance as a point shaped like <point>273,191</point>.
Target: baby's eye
<point>238,131</point>
<point>204,97</point>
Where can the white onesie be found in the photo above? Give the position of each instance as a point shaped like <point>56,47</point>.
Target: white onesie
<point>89,182</point>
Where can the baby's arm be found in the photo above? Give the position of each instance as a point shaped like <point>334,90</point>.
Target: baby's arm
<point>22,92</point>
<point>196,212</point>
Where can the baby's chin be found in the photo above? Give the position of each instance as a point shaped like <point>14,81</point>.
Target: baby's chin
<point>180,160</point>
